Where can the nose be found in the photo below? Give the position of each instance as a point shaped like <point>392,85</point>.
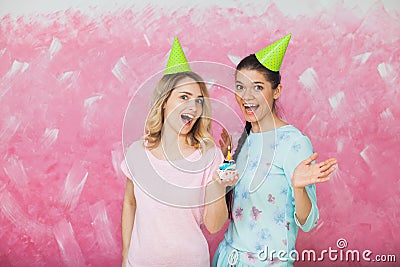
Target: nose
<point>247,94</point>
<point>192,105</point>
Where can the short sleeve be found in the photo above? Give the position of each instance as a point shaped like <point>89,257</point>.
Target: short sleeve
<point>125,170</point>
<point>300,150</point>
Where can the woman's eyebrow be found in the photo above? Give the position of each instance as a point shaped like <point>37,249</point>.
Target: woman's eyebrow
<point>189,93</point>
<point>254,82</point>
<point>184,92</point>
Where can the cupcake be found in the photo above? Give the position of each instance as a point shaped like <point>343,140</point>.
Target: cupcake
<point>228,168</point>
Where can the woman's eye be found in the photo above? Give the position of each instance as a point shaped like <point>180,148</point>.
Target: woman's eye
<point>199,101</point>
<point>239,87</point>
<point>184,97</point>
<point>258,87</point>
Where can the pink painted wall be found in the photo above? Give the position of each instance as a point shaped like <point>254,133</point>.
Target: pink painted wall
<point>67,75</point>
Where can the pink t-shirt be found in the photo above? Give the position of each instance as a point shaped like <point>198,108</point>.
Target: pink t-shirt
<point>165,234</point>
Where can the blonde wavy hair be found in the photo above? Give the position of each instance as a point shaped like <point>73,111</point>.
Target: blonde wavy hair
<point>200,134</point>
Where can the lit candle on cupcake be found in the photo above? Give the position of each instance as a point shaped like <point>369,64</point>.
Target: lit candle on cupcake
<point>228,168</point>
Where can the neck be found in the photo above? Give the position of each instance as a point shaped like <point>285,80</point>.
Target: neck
<point>268,123</point>
<point>173,144</point>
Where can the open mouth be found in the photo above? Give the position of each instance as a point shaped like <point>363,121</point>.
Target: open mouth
<point>187,118</point>
<point>250,108</point>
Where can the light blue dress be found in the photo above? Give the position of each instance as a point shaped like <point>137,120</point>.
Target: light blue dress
<point>263,210</point>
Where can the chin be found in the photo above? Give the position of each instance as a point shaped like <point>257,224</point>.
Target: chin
<point>250,118</point>
<point>184,133</point>
<point>185,130</point>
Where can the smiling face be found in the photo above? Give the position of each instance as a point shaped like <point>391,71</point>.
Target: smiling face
<point>184,106</point>
<point>180,106</point>
<point>255,95</point>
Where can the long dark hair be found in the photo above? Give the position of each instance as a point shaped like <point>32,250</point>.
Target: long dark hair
<point>251,63</point>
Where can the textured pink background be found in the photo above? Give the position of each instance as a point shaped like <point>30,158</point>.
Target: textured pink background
<point>66,78</point>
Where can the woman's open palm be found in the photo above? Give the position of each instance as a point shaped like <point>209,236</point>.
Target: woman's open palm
<point>307,173</point>
<point>225,141</point>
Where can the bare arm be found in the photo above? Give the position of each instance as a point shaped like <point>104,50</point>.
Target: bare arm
<point>215,210</point>
<point>128,217</point>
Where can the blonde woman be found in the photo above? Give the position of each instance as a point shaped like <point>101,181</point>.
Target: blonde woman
<point>171,176</point>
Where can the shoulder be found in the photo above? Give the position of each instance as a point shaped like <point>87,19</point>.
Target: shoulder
<point>291,131</point>
<point>131,150</point>
<point>291,141</point>
<point>289,134</point>
<point>214,153</point>
<point>135,147</point>
<point>299,143</point>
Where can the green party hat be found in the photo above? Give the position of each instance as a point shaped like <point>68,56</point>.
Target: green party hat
<point>177,61</point>
<point>271,57</point>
